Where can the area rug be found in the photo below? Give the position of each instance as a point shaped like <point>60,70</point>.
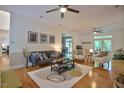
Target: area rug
<point>72,77</point>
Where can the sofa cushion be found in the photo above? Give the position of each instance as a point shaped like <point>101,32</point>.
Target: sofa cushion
<point>40,56</point>
<point>35,57</point>
<point>10,80</point>
<point>44,56</point>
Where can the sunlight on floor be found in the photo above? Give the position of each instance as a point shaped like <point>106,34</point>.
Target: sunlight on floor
<point>90,73</point>
<point>93,84</point>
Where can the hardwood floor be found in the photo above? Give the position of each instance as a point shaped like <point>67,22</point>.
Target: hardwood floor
<point>97,78</point>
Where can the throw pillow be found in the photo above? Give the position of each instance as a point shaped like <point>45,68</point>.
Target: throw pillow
<point>40,56</point>
<point>53,55</point>
<point>103,54</point>
<point>44,56</point>
<point>34,54</point>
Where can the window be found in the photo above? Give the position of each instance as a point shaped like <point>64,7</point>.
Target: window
<point>101,37</point>
<point>67,42</point>
<point>103,43</point>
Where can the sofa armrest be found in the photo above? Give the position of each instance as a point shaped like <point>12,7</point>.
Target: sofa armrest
<point>33,59</point>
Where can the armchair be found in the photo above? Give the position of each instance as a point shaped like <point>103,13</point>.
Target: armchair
<point>101,58</point>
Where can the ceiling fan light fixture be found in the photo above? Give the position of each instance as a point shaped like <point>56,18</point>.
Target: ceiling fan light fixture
<point>63,10</point>
<point>95,32</point>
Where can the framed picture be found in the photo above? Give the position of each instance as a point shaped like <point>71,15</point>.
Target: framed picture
<point>51,39</point>
<point>85,42</point>
<point>32,37</point>
<point>43,38</point>
<point>89,42</point>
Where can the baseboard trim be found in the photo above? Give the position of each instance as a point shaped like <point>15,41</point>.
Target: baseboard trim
<point>19,66</point>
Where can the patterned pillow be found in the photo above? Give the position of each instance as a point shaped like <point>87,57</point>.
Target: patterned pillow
<point>44,56</point>
<point>53,55</point>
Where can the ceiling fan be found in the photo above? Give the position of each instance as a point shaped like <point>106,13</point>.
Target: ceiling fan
<point>97,30</point>
<point>116,6</point>
<point>63,9</point>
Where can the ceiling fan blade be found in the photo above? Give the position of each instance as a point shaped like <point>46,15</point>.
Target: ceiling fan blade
<point>98,31</point>
<point>62,15</point>
<point>72,10</point>
<point>116,6</point>
<point>66,6</point>
<point>52,10</point>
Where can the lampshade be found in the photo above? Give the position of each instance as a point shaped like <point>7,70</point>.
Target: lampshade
<point>95,32</point>
<point>91,50</point>
<point>3,45</point>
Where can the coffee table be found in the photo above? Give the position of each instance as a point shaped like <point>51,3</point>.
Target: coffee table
<point>62,65</point>
<point>58,66</point>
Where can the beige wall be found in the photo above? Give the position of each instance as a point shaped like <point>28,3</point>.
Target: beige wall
<point>19,28</point>
<point>117,39</point>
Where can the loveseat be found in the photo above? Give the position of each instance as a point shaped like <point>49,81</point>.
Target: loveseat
<point>42,57</point>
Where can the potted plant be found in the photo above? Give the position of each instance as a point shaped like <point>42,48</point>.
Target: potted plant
<point>26,54</point>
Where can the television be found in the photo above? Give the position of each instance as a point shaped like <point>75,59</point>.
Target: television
<point>78,47</point>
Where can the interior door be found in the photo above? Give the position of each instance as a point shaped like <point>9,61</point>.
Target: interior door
<point>107,45</point>
<point>68,45</point>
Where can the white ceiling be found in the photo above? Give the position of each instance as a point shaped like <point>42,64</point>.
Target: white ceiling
<point>4,21</point>
<point>106,17</point>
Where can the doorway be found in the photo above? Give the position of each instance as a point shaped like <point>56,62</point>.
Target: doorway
<point>67,46</point>
<point>4,31</point>
<point>4,39</point>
